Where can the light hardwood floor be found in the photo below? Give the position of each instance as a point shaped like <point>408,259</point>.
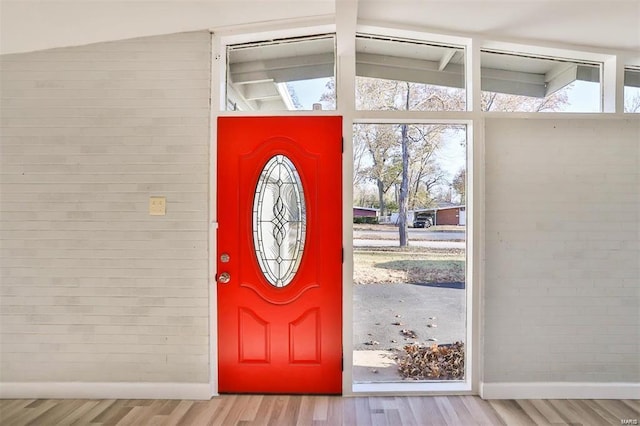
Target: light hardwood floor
<point>320,410</point>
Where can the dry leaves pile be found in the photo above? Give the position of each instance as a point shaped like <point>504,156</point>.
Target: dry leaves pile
<point>435,362</point>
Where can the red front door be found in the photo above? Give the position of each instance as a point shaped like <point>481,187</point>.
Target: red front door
<point>279,266</point>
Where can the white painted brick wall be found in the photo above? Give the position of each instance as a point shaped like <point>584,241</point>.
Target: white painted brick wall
<point>93,287</point>
<point>562,292</point>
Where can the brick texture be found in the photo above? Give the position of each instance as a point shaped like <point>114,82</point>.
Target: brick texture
<point>562,291</point>
<point>93,287</point>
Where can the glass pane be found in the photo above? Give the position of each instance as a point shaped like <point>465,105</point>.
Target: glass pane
<point>632,90</point>
<point>394,74</point>
<point>290,74</point>
<point>520,83</point>
<point>409,252</point>
<point>279,221</point>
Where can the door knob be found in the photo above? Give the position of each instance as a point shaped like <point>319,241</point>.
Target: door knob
<point>224,278</point>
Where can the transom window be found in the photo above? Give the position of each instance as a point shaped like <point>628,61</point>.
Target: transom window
<point>285,74</point>
<point>402,74</point>
<point>632,89</point>
<point>524,83</point>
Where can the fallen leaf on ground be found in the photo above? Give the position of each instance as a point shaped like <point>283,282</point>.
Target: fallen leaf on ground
<point>408,333</point>
<point>444,362</point>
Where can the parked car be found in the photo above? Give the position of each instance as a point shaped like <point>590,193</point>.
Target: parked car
<point>422,222</point>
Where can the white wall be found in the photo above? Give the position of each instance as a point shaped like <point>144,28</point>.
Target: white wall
<point>30,25</point>
<point>562,294</point>
<point>94,289</point>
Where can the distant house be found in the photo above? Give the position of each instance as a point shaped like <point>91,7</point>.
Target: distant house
<point>451,216</point>
<point>444,214</point>
<point>365,212</point>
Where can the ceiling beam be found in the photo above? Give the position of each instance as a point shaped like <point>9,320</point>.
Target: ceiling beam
<point>446,58</point>
<point>272,105</point>
<point>283,69</point>
<point>632,78</point>
<point>238,101</point>
<point>257,91</point>
<point>285,95</point>
<point>560,76</point>
<point>408,69</point>
<point>565,74</point>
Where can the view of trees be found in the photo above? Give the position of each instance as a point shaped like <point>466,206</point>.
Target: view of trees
<point>632,103</point>
<point>501,102</point>
<point>383,151</point>
<point>398,167</point>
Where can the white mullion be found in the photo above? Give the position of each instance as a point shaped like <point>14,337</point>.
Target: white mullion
<point>346,20</point>
<point>425,117</point>
<point>612,96</point>
<point>475,213</point>
<point>473,76</point>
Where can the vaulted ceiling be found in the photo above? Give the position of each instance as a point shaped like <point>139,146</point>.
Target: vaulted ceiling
<point>27,25</point>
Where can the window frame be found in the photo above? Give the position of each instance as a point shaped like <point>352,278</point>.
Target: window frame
<point>345,25</point>
<point>438,43</point>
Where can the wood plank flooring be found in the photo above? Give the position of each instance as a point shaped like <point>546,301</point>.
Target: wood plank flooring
<point>265,410</point>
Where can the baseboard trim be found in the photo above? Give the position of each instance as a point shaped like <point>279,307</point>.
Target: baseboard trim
<point>560,390</point>
<point>104,390</point>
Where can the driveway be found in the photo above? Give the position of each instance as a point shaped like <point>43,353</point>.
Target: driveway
<point>378,306</point>
<point>387,315</point>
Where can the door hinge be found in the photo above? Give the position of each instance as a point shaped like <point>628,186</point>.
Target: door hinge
<point>342,362</point>
<point>342,254</point>
<point>343,144</point>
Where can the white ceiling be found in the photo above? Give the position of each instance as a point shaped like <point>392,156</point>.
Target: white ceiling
<point>27,25</point>
<point>612,24</point>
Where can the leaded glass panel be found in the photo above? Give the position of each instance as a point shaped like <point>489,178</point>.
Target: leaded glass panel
<point>279,221</point>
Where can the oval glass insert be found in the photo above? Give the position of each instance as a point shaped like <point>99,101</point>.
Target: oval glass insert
<point>279,221</point>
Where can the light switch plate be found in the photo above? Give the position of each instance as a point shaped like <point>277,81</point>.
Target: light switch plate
<point>157,206</point>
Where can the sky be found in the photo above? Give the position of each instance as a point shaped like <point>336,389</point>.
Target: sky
<point>309,91</point>
<point>583,97</point>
